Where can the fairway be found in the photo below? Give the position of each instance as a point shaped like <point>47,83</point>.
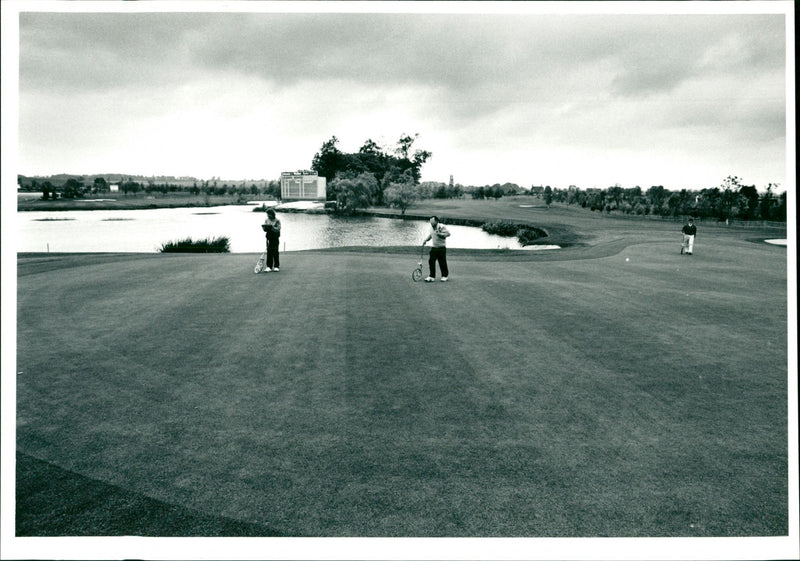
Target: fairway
<point>615,390</point>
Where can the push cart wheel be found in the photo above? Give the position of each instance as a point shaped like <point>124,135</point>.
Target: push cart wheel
<point>416,275</point>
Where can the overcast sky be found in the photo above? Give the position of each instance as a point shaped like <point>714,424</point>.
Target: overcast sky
<point>535,99</point>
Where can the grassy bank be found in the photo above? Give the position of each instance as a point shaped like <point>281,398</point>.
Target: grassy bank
<point>619,389</point>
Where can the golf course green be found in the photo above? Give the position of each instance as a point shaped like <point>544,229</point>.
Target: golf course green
<point>610,388</point>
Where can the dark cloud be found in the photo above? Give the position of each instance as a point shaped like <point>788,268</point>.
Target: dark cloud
<point>664,52</point>
<point>501,57</point>
<point>592,80</point>
<point>86,52</point>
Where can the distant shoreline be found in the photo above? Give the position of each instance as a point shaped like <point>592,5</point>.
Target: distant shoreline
<point>133,202</point>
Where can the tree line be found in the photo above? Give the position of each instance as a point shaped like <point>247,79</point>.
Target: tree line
<point>77,187</point>
<point>390,176</point>
<point>730,200</point>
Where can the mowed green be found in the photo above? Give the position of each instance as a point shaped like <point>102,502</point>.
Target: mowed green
<point>641,393</point>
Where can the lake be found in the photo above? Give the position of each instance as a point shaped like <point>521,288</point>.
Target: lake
<point>144,231</point>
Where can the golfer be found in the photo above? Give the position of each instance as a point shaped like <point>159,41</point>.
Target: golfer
<point>438,250</point>
<point>689,232</point>
<point>272,226</point>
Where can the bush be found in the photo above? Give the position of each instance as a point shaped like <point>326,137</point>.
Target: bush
<point>501,228</point>
<point>527,235</point>
<point>221,244</point>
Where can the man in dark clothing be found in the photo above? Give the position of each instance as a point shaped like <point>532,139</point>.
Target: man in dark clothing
<point>689,232</point>
<point>272,227</point>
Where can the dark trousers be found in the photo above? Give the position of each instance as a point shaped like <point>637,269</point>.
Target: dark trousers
<point>272,255</point>
<point>438,254</point>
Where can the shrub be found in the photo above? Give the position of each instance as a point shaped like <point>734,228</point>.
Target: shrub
<point>501,228</point>
<point>526,235</point>
<point>529,234</point>
<point>221,244</point>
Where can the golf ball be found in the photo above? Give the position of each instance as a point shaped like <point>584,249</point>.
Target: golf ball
<point>627,259</point>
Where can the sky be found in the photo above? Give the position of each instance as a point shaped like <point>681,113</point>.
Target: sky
<point>589,99</point>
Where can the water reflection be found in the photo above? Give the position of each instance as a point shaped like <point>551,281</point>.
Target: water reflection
<point>146,230</point>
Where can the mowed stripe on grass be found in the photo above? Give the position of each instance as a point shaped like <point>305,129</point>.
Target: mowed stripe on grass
<point>338,398</point>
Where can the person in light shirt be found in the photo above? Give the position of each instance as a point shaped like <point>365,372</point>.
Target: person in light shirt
<point>438,235</point>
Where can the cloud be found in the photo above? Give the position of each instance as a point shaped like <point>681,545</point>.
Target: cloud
<point>573,86</point>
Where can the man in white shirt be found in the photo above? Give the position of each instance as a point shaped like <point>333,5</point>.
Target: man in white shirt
<point>438,250</point>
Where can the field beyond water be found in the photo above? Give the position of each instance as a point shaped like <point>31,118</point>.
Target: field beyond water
<point>613,388</point>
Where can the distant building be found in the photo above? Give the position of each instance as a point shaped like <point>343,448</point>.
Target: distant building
<point>303,185</point>
<point>113,187</point>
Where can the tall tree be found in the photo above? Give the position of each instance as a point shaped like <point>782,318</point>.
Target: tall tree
<point>730,197</point>
<point>750,195</point>
<point>767,202</point>
<point>328,160</point>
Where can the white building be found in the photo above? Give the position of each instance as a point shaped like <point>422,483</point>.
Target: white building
<point>303,185</point>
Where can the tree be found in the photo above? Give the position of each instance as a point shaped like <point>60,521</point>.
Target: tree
<point>100,185</point>
<point>402,193</point>
<point>779,212</point>
<point>673,204</point>
<point>750,195</point>
<point>656,194</point>
<point>73,188</point>
<point>767,203</point>
<point>371,158</point>
<point>353,193</point>
<point>730,197</point>
<point>386,168</point>
<point>614,196</point>
<point>328,160</point>
<point>455,191</point>
<point>47,189</point>
<point>417,159</point>
<point>404,145</point>
<point>548,196</point>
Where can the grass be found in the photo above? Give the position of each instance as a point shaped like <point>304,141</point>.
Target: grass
<point>220,244</point>
<point>56,502</point>
<point>564,394</point>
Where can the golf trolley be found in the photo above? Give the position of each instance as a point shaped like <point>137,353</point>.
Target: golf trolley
<point>685,244</point>
<point>262,262</point>
<point>416,274</point>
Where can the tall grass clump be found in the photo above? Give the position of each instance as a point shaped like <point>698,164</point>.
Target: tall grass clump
<point>526,235</point>
<point>220,244</point>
